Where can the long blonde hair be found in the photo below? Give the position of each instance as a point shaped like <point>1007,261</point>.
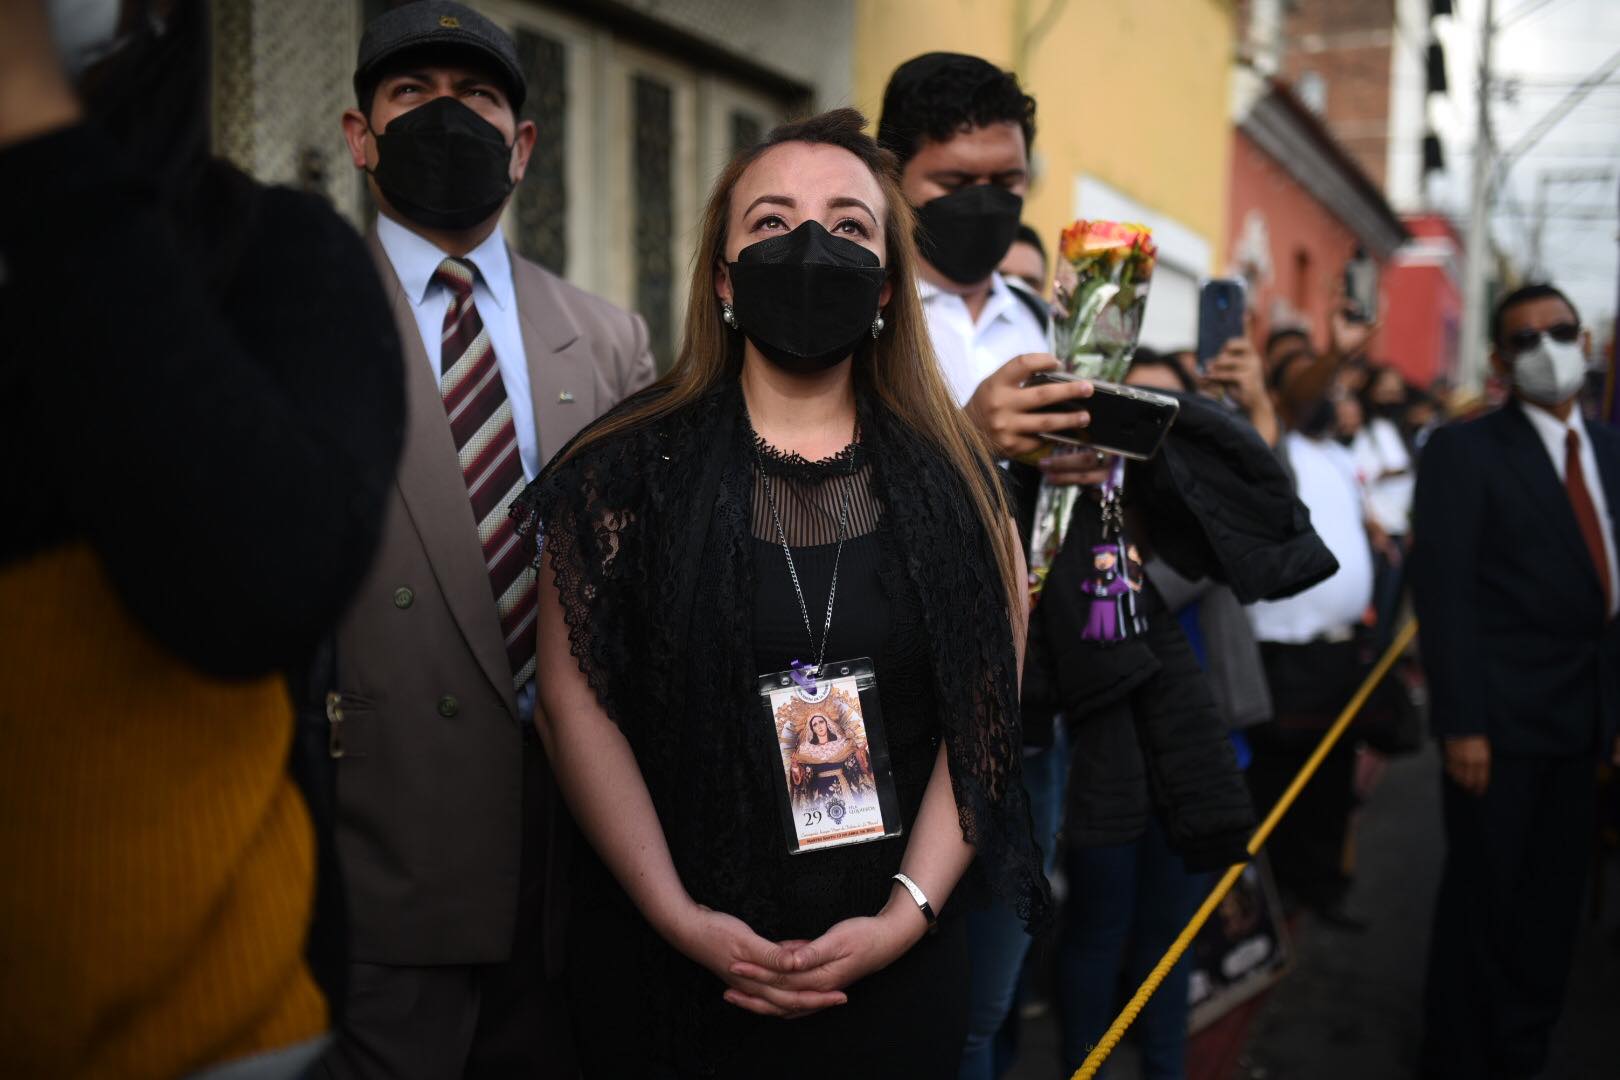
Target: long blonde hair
<point>899,368</point>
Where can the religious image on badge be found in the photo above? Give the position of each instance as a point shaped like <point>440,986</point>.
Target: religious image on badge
<point>838,787</point>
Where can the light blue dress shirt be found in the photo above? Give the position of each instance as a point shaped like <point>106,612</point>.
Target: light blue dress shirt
<point>415,260</point>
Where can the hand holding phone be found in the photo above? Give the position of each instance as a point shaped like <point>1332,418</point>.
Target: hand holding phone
<point>1125,420</point>
<point>1010,413</point>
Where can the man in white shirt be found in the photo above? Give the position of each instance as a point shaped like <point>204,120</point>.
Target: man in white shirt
<point>961,129</point>
<point>448,832</point>
<point>1308,645</point>
<point>1515,583</point>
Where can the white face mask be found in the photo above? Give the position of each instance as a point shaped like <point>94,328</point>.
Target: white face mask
<point>1550,373</point>
<point>85,30</point>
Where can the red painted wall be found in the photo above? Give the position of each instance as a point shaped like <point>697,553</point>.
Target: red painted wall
<point>1422,316</point>
<point>1301,272</point>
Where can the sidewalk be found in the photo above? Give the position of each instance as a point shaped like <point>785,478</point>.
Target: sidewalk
<point>1350,1009</point>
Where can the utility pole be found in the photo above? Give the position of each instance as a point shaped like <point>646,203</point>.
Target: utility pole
<point>1471,359</point>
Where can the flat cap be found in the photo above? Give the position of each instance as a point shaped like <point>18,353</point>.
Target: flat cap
<point>427,24</point>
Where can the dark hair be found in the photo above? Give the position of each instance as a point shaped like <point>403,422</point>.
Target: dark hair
<point>1027,235</point>
<point>1282,334</point>
<point>1536,290</point>
<point>937,95</point>
<point>1146,357</point>
<point>1376,372</point>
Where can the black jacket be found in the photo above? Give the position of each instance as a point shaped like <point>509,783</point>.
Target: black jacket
<point>1214,502</point>
<point>1220,505</point>
<point>1516,639</point>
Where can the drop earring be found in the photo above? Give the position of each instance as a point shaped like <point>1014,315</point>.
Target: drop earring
<point>728,316</point>
<point>877,325</point>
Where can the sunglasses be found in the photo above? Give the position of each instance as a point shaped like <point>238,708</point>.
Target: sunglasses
<point>1563,333</point>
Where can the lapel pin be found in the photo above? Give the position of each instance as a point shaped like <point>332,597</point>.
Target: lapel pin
<point>566,397</point>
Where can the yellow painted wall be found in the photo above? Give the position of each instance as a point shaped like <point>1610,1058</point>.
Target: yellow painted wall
<point>1132,92</point>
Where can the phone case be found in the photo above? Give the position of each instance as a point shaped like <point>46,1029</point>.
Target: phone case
<point>1220,316</point>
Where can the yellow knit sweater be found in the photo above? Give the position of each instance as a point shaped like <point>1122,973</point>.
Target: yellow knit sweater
<point>156,864</point>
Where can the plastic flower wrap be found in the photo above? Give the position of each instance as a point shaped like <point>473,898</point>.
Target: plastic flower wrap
<point>1101,290</point>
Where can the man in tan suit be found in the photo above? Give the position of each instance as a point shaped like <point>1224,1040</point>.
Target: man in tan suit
<point>447,826</point>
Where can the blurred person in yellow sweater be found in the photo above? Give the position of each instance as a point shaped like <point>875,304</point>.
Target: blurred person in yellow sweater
<point>200,413</point>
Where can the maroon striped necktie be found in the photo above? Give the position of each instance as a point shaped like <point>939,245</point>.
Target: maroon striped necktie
<point>486,442</point>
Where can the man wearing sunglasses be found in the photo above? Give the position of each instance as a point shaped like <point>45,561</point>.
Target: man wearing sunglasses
<point>1516,588</point>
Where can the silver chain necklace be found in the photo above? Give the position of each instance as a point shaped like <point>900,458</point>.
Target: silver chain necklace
<point>793,571</point>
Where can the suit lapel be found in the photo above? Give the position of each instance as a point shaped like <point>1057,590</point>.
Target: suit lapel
<point>435,495</point>
<point>562,374</point>
<point>1527,458</point>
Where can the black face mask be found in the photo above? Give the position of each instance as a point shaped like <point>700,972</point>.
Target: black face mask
<point>443,166</point>
<point>806,300</point>
<point>966,234</point>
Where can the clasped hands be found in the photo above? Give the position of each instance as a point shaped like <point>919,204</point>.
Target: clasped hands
<point>790,979</point>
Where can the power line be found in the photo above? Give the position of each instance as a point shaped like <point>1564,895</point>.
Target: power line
<point>1524,12</point>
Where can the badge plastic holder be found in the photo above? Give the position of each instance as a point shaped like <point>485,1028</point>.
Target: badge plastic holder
<point>834,786</point>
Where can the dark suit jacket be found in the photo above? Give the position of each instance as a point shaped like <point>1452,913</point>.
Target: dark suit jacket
<point>430,786</point>
<point>1514,629</point>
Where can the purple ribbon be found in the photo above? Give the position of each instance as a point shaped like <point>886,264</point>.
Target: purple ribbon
<point>804,675</point>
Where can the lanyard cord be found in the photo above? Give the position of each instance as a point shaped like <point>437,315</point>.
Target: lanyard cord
<point>793,571</point>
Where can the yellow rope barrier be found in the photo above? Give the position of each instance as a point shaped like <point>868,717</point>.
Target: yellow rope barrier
<point>1127,1016</point>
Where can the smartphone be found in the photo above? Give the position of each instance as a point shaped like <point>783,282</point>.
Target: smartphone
<point>1361,288</point>
<point>1125,420</point>
<point>1221,303</point>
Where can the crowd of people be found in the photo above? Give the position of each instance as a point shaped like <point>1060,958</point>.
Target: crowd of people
<point>404,680</point>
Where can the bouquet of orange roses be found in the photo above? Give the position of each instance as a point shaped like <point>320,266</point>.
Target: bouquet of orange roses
<point>1101,290</point>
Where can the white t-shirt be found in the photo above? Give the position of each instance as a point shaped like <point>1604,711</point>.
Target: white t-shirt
<point>1379,449</point>
<point>969,351</point>
<point>1327,485</point>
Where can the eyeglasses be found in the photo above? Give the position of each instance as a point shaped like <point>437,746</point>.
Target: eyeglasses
<point>1563,333</point>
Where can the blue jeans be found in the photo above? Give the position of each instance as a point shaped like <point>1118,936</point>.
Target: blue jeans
<point>997,942</point>
<point>1126,904</point>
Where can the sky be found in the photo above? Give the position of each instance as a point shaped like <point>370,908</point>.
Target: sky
<point>1545,47</point>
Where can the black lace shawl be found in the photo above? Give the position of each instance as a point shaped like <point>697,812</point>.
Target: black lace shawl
<point>649,534</point>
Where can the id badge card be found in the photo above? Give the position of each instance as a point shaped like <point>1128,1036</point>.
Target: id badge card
<point>835,785</point>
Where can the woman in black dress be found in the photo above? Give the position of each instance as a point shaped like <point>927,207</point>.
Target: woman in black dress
<point>799,492</point>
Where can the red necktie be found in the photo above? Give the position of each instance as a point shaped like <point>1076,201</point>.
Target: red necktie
<point>486,442</point>
<point>1585,512</point>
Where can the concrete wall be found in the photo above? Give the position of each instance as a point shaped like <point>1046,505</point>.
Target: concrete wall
<point>282,70</point>
<point>810,43</point>
<point>282,78</point>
